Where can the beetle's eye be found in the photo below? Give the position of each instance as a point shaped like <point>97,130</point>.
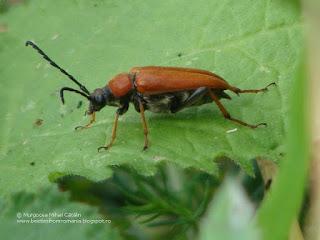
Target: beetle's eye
<point>99,98</point>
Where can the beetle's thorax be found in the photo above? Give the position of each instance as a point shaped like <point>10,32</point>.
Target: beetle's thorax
<point>121,84</point>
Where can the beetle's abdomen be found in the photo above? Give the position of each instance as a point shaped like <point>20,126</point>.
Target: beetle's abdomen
<point>121,84</point>
<point>164,81</point>
<point>165,103</point>
<point>160,103</point>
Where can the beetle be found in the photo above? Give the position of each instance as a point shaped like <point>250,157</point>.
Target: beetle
<point>157,89</point>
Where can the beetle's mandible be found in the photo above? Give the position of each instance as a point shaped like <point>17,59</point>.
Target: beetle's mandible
<point>157,89</point>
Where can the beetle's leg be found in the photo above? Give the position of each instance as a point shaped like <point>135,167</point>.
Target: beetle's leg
<point>227,115</point>
<point>199,93</point>
<point>93,115</point>
<point>237,90</point>
<point>145,129</point>
<point>120,111</point>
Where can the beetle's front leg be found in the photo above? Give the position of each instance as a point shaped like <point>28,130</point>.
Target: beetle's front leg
<point>93,115</point>
<point>120,111</point>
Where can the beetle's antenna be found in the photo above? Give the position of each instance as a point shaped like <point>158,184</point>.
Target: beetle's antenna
<point>83,88</point>
<point>72,90</point>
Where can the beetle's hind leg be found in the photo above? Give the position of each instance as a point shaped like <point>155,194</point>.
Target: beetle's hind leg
<point>227,115</point>
<point>198,94</point>
<point>237,90</point>
<point>93,115</point>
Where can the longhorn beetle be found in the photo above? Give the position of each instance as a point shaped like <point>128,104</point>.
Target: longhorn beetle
<point>157,89</point>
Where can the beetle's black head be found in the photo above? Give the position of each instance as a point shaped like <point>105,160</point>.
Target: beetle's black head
<point>100,98</point>
<point>97,101</point>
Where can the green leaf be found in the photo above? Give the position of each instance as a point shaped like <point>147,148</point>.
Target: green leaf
<point>46,205</point>
<point>230,215</point>
<point>249,43</point>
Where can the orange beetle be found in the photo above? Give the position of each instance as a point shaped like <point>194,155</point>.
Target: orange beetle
<point>157,89</point>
